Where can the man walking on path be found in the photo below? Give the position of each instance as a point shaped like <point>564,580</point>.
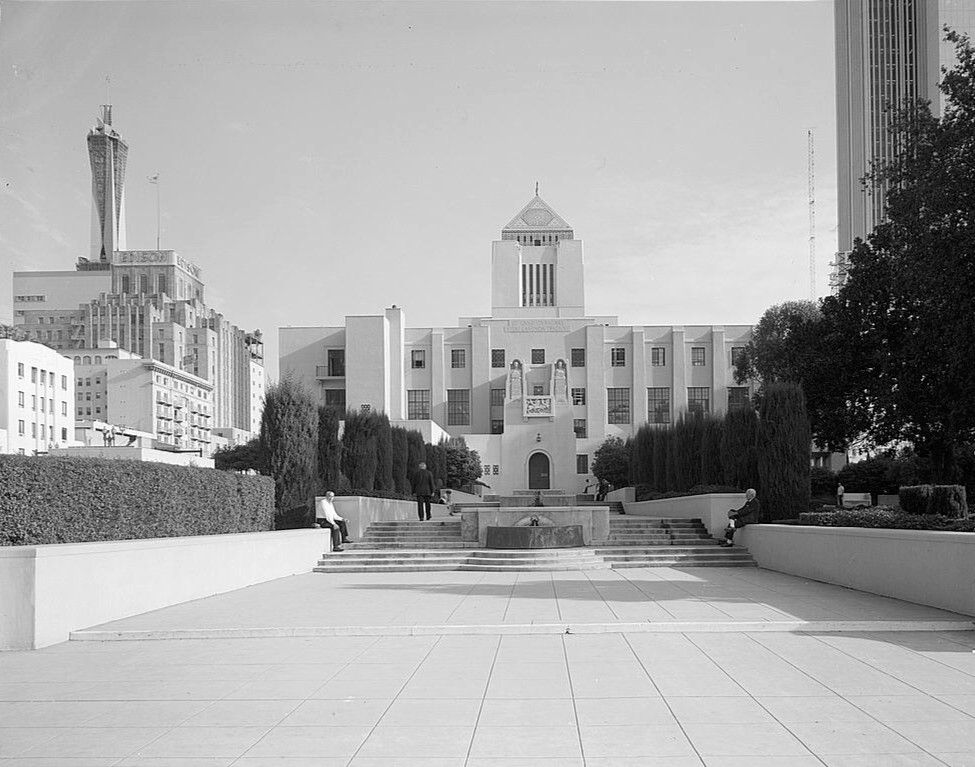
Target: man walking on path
<point>741,517</point>
<point>424,487</point>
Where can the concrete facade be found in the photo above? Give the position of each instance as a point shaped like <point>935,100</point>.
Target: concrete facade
<point>36,398</point>
<point>537,386</point>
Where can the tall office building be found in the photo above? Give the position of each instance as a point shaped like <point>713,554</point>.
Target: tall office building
<point>107,153</point>
<point>887,52</point>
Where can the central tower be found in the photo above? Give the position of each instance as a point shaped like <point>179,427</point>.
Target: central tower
<point>107,153</point>
<point>536,266</point>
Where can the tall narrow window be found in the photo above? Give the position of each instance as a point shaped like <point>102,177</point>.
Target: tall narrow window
<point>618,405</point>
<point>578,358</point>
<point>418,359</point>
<point>698,400</point>
<point>738,398</point>
<point>579,427</point>
<point>418,404</point>
<point>538,356</point>
<point>697,356</point>
<point>497,358</point>
<point>579,396</point>
<point>336,362</point>
<point>458,407</point>
<point>658,356</point>
<point>658,404</point>
<point>582,464</point>
<point>458,358</point>
<point>617,356</point>
<point>497,411</point>
<point>737,354</point>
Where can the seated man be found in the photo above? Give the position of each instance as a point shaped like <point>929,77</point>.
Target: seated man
<point>326,516</point>
<point>741,517</point>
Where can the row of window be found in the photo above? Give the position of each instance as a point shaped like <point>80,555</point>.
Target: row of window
<point>617,404</point>
<point>617,357</point>
<point>30,299</point>
<point>49,408</point>
<point>22,431</point>
<point>46,378</point>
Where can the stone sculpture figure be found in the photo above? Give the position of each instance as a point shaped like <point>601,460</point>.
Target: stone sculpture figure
<point>560,385</point>
<point>514,380</point>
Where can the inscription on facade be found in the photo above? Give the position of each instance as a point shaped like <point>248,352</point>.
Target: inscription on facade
<point>538,406</point>
<point>539,326</point>
<point>156,257</point>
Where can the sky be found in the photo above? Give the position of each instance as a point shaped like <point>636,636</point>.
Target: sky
<point>319,160</point>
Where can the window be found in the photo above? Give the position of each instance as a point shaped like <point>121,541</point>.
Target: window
<point>497,358</point>
<point>33,430</point>
<point>87,382</point>
<point>33,375</point>
<point>418,359</point>
<point>538,356</point>
<point>20,428</point>
<point>458,358</point>
<point>33,402</point>
<point>698,400</point>
<point>144,283</point>
<point>578,358</point>
<point>497,411</point>
<point>20,398</point>
<point>43,378</point>
<point>43,408</point>
<point>20,369</point>
<point>418,404</point>
<point>658,405</point>
<point>161,283</point>
<point>697,356</point>
<point>126,286</point>
<point>64,383</point>
<point>579,396</point>
<point>582,464</point>
<point>538,390</point>
<point>738,398</point>
<point>336,362</point>
<point>579,427</point>
<point>458,407</point>
<point>618,405</point>
<point>497,397</point>
<point>617,356</point>
<point>497,426</point>
<point>64,434</point>
<point>64,408</point>
<point>335,398</point>
<point>737,352</point>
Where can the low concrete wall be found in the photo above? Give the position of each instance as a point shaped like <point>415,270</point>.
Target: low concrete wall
<point>359,512</point>
<point>711,509</point>
<point>624,494</point>
<point>926,567</point>
<point>48,591</point>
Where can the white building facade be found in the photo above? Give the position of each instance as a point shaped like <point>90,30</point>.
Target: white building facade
<point>36,398</point>
<point>538,385</point>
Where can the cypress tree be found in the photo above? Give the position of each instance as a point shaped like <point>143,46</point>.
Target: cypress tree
<point>289,443</point>
<point>739,449</point>
<point>383,433</point>
<point>671,467</point>
<point>400,441</point>
<point>329,450</point>
<point>784,443</point>
<point>711,472</point>
<point>416,453</point>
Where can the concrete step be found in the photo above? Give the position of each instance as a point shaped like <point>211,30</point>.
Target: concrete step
<point>397,554</point>
<point>683,563</point>
<point>374,568</point>
<point>413,544</point>
<point>538,568</point>
<point>416,525</point>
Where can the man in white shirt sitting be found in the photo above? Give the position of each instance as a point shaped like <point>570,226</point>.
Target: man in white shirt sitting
<point>326,516</point>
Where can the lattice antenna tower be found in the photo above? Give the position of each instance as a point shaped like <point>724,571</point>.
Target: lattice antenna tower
<point>811,161</point>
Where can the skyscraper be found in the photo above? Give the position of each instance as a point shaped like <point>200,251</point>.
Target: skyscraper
<point>107,153</point>
<point>887,52</point>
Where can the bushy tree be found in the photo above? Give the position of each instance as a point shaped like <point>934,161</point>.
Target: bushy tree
<point>462,466</point>
<point>784,451</point>
<point>329,450</point>
<point>289,443</point>
<point>380,428</point>
<point>359,461</point>
<point>611,462</point>
<point>244,457</point>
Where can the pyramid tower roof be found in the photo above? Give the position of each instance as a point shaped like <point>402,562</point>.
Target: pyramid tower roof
<point>538,216</point>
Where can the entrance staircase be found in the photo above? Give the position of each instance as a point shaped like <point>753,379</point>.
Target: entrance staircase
<point>434,545</point>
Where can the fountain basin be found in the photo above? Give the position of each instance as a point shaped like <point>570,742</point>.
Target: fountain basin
<point>534,537</point>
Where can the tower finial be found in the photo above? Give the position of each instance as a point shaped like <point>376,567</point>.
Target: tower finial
<point>536,189</point>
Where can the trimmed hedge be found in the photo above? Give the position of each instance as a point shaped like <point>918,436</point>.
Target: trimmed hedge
<point>48,499</point>
<point>644,493</point>
<point>883,517</point>
<point>944,500</point>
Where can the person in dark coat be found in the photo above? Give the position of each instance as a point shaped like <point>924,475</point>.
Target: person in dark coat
<point>741,517</point>
<point>424,486</point>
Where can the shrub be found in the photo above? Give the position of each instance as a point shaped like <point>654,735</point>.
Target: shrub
<point>611,462</point>
<point>240,457</point>
<point>915,499</point>
<point>644,493</point>
<point>711,469</point>
<point>784,447</point>
<point>401,453</point>
<point>948,501</point>
<point>823,482</point>
<point>884,517</point>
<point>50,499</point>
<point>739,456</point>
<point>660,441</point>
<point>329,449</point>
<point>382,431</point>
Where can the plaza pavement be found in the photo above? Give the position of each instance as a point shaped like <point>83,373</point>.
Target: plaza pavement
<point>730,699</point>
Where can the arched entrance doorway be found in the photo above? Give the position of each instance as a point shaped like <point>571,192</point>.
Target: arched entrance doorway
<point>539,472</point>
